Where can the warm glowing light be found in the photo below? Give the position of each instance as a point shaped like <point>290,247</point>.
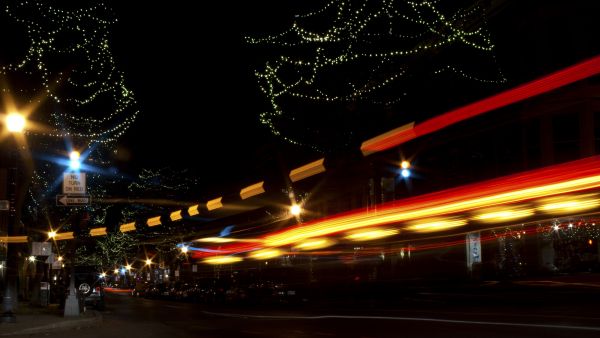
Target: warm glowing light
<point>193,210</point>
<point>176,215</point>
<point>51,234</point>
<point>64,235</point>
<point>148,261</point>
<point>60,258</point>
<point>370,234</point>
<point>295,209</point>
<point>314,243</point>
<point>14,239</point>
<point>116,271</point>
<point>127,227</point>
<point>128,267</point>
<point>214,204</point>
<point>590,242</point>
<point>405,164</point>
<point>493,215</point>
<point>253,190</point>
<point>102,275</point>
<point>265,254</point>
<point>217,260</point>
<point>31,258</point>
<point>542,85</point>
<point>15,122</point>
<point>215,240</point>
<point>98,231</point>
<point>184,249</point>
<point>227,240</point>
<point>307,170</point>
<point>74,155</point>
<point>431,225</point>
<point>568,204</point>
<point>372,145</point>
<point>153,221</point>
<point>520,187</point>
<point>74,162</point>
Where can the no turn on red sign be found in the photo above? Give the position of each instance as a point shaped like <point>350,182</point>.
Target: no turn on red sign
<point>74,184</point>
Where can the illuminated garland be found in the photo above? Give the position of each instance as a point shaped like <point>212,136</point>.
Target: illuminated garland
<point>364,51</point>
<point>56,37</point>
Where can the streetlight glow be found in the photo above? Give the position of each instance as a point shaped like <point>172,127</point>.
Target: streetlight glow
<point>405,164</point>
<point>74,162</point>
<point>60,258</point>
<point>128,267</point>
<point>15,122</point>
<point>295,209</point>
<point>52,234</point>
<point>184,249</point>
<point>31,258</point>
<point>148,261</point>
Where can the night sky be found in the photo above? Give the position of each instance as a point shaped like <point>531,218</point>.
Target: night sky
<point>193,78</point>
<point>194,89</point>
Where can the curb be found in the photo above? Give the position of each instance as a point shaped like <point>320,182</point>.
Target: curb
<point>64,324</point>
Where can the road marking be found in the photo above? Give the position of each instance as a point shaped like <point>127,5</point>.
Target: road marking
<point>413,319</point>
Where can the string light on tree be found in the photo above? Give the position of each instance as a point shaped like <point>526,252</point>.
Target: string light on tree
<point>361,51</point>
<point>57,37</point>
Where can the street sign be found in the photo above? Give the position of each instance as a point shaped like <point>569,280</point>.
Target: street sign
<point>74,183</point>
<point>41,248</point>
<point>72,201</point>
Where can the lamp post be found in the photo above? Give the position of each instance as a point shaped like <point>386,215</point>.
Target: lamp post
<point>15,123</point>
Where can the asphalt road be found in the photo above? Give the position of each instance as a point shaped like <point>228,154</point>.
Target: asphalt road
<point>432,315</point>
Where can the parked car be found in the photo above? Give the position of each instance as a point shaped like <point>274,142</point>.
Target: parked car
<point>89,285</point>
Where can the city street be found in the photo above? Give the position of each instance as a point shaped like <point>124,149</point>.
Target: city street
<point>425,315</point>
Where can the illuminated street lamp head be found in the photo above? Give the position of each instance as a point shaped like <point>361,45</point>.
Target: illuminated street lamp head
<point>60,258</point>
<point>405,173</point>
<point>184,249</point>
<point>51,234</point>
<point>31,258</point>
<point>102,275</point>
<point>15,122</point>
<point>148,261</point>
<point>128,267</point>
<point>74,162</point>
<point>116,271</point>
<point>295,209</point>
<point>405,164</point>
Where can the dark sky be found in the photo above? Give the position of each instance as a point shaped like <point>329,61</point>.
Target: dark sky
<point>183,63</point>
<point>199,101</point>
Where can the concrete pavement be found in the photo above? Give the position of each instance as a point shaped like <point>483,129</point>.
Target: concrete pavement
<point>36,320</point>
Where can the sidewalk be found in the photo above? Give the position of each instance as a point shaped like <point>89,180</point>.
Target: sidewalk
<point>36,320</point>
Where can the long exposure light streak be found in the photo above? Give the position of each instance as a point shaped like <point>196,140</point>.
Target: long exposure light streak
<point>542,85</point>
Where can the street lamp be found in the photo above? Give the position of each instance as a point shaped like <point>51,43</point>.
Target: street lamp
<point>74,160</point>
<point>15,123</point>
<point>295,210</point>
<point>405,172</point>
